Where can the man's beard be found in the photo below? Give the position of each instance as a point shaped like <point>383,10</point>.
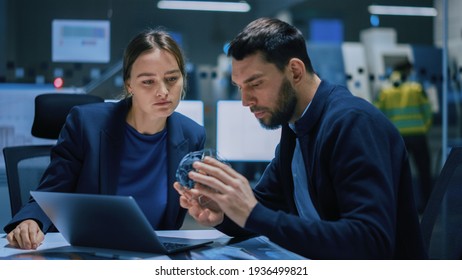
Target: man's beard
<point>285,107</point>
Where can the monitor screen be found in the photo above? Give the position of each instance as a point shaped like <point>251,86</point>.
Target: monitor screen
<point>240,136</point>
<point>81,41</point>
<point>193,109</point>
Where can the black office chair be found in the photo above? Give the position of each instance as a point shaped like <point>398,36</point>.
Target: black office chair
<point>442,219</point>
<point>25,164</point>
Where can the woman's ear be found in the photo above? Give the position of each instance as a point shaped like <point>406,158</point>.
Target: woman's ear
<point>297,69</point>
<point>128,87</point>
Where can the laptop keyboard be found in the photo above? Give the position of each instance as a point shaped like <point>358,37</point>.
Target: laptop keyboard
<point>173,245</point>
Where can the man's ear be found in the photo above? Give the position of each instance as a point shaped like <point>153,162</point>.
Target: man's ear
<point>297,69</point>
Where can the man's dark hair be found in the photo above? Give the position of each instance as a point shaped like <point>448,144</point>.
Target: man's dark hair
<point>276,40</point>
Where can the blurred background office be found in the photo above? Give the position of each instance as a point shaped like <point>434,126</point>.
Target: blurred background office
<point>76,46</point>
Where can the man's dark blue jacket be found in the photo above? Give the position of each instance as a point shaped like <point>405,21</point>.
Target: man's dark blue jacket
<point>359,181</point>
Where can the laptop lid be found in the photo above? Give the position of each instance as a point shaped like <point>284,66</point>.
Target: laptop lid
<point>106,221</point>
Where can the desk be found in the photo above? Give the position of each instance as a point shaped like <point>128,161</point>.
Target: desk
<point>223,248</point>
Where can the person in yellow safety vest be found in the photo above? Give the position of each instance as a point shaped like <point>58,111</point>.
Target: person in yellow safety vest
<point>405,103</point>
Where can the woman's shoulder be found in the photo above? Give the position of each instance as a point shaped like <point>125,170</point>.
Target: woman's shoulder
<point>101,108</point>
<point>99,114</point>
<point>183,120</point>
<point>180,124</point>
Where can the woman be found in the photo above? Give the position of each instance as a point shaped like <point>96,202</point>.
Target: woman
<point>132,147</point>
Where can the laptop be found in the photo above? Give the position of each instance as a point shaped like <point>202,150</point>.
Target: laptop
<point>107,221</point>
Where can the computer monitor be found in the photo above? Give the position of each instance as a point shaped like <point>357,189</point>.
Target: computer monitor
<point>194,109</point>
<point>240,136</point>
<point>86,41</point>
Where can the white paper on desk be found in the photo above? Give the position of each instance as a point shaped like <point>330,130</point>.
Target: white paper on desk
<point>52,240</point>
<point>192,234</point>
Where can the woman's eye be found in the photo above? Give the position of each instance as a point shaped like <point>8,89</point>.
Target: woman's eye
<point>148,82</point>
<point>172,79</point>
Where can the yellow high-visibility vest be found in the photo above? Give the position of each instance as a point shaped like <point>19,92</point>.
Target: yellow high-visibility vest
<point>407,107</point>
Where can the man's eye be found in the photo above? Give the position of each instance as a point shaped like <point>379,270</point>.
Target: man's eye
<point>256,84</point>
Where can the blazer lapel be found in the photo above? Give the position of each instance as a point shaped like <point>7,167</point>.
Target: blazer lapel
<point>111,144</point>
<point>109,162</point>
<point>178,147</point>
<point>286,153</point>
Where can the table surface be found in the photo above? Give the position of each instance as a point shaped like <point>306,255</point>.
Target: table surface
<point>222,248</point>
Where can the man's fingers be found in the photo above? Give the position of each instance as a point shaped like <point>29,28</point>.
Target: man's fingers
<point>213,183</point>
<point>223,166</point>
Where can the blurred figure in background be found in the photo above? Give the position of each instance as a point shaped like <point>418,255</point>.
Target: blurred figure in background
<point>405,103</point>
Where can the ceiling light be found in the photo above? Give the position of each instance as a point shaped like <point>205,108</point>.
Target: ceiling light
<point>402,11</point>
<point>240,7</point>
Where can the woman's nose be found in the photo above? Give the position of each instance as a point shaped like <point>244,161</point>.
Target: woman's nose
<point>162,90</point>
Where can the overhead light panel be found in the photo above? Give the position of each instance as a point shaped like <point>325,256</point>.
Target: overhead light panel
<point>402,11</point>
<point>240,7</point>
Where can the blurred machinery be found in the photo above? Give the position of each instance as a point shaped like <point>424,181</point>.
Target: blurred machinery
<point>362,66</point>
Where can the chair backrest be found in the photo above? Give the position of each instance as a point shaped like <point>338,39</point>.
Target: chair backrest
<point>24,168</point>
<point>51,110</point>
<point>25,164</point>
<point>442,219</point>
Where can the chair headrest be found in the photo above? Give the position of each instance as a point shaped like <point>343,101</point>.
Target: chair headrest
<point>51,110</point>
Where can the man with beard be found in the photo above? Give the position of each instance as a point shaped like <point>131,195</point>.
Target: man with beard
<point>339,186</point>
